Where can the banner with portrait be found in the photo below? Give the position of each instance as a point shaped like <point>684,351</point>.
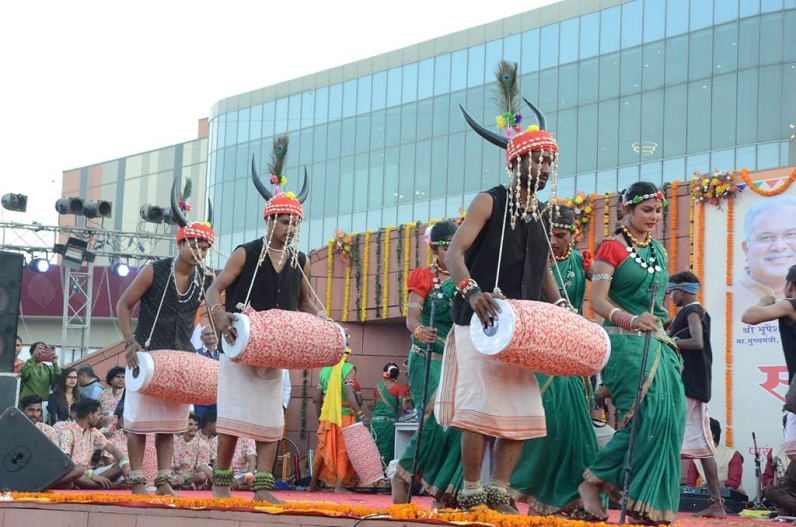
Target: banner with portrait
<point>748,246</point>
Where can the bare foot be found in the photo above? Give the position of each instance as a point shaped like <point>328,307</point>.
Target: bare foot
<point>221,492</point>
<point>400,490</point>
<point>266,495</point>
<point>715,510</point>
<point>503,508</point>
<point>340,489</point>
<point>592,504</point>
<point>165,490</point>
<point>533,512</point>
<point>140,490</point>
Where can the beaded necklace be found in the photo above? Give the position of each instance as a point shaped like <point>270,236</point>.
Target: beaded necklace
<point>185,297</point>
<point>647,239</point>
<point>437,271</point>
<point>566,254</point>
<point>653,264</point>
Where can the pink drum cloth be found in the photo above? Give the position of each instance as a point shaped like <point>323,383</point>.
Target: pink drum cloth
<point>176,376</point>
<point>363,453</point>
<point>290,340</point>
<point>544,338</point>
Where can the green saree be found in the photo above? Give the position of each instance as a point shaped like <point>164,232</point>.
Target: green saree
<point>654,493</point>
<point>551,467</point>
<point>382,422</point>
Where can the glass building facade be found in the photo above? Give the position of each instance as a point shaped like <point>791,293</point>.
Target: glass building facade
<point>642,89</point>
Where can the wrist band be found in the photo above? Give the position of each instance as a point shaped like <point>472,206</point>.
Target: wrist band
<point>214,307</point>
<point>611,314</point>
<point>128,343</point>
<point>560,301</point>
<point>467,287</point>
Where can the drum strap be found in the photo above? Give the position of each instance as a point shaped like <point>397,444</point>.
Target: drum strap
<point>500,251</point>
<point>546,385</point>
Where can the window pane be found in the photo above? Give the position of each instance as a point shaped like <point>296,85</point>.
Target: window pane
<point>394,81</point>
<point>408,122</point>
<point>652,66</point>
<point>587,87</point>
<point>332,194</point>
<point>360,195</point>
<point>375,179</point>
<point>363,94</point>
<point>767,6</point>
<point>651,172</point>
<point>586,183</point>
<point>725,10</point>
<point>701,14</point>
<point>652,125</point>
<point>473,153</point>
<point>587,138</point>
<point>698,116</point>
<point>548,96</point>
<point>475,66</point>
<point>627,176</point>
<point>769,105</point>
<point>675,101</point>
<point>530,51</point>
<point>455,164</point>
<point>294,112</point>
<point>749,8</point>
<point>767,156</point>
<point>333,139</point>
<point>606,181</point>
<point>700,51</point>
<point>609,29</point>
<point>335,101</point>
<point>459,70</point>
<point>631,24</point>
<point>363,133</point>
<point>676,21</point>
<point>529,84</point>
<point>422,170</point>
<point>424,111</point>
<point>771,45</point>
<point>631,71</point>
<point>346,184</point>
<point>256,122</point>
<point>566,137</point>
<point>674,170</point>
<point>379,92</point>
<point>348,137</point>
<point>568,86</point>
<point>723,125</point>
<point>609,76</point>
<point>654,20</point>
<point>494,53</point>
<point>425,79</point>
<point>607,137</point>
<point>319,143</point>
<point>629,130</point>
<point>746,157</point>
<point>589,35</point>
<point>789,51</point>
<point>723,159</point>
<point>243,125</point>
<point>439,122</point>
<point>409,93</point>
<point>377,124</point>
<point>676,60</point>
<point>392,128</point>
<point>788,98</point>
<point>570,32</point>
<point>406,173</point>
<point>349,98</point>
<point>442,74</point>
<point>391,160</point>
<point>512,45</point>
<point>725,49</point>
<point>747,110</point>
<point>439,167</point>
<point>549,48</point>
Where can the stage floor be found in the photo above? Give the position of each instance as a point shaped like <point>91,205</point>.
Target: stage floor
<point>302,509</point>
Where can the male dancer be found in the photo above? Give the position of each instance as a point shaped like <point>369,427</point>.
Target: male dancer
<point>483,397</point>
<point>170,291</point>
<point>690,330</point>
<point>263,274</point>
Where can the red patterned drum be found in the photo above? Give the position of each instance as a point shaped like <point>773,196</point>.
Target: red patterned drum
<point>177,376</point>
<point>542,337</point>
<point>290,340</point>
<point>363,453</point>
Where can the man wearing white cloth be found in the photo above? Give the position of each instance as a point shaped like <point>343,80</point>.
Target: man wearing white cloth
<point>263,274</point>
<point>170,292</point>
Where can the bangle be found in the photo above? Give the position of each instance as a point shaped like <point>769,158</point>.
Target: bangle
<point>418,330</point>
<point>128,343</point>
<point>611,314</point>
<point>467,287</point>
<point>124,461</point>
<point>560,301</point>
<point>88,473</point>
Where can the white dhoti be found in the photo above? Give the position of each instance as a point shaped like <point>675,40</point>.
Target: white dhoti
<point>789,445</point>
<point>144,414</point>
<point>698,439</point>
<point>484,395</point>
<point>249,401</point>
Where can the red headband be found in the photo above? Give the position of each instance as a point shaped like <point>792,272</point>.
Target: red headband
<point>283,204</point>
<point>196,231</point>
<point>533,140</point>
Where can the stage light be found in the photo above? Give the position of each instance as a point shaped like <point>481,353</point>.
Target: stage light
<point>69,206</point>
<point>40,265</point>
<point>152,213</point>
<point>94,209</point>
<point>15,202</point>
<point>120,269</point>
<point>168,217</point>
<point>74,253</point>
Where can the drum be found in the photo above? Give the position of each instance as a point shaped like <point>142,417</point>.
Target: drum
<point>290,340</point>
<point>363,453</point>
<point>178,376</point>
<point>542,337</point>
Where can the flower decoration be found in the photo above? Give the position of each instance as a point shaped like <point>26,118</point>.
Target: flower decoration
<point>458,220</point>
<point>343,245</point>
<point>582,206</point>
<point>510,122</point>
<point>186,193</point>
<point>713,188</point>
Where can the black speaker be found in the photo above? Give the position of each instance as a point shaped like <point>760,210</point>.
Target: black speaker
<point>9,390</point>
<point>11,265</point>
<point>29,461</point>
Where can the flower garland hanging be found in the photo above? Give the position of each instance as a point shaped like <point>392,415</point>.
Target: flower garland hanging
<point>590,221</point>
<point>304,398</point>
<point>356,254</point>
<point>665,211</point>
<point>377,282</point>
<point>385,299</point>
<point>713,188</point>
<point>767,193</point>
<point>343,244</point>
<point>329,270</point>
<point>673,244</point>
<point>607,215</point>
<point>399,279</point>
<point>363,316</point>
<point>581,205</point>
<point>691,212</point>
<point>728,368</point>
<point>405,281</point>
<point>701,251</point>
<point>428,250</point>
<point>730,240</point>
<point>346,293</point>
<point>458,220</point>
<point>417,245</point>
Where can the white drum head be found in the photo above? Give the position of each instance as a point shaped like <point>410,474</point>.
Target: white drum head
<point>495,338</point>
<point>243,327</point>
<point>138,379</point>
<point>607,347</point>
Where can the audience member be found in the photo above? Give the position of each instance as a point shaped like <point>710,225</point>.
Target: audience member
<point>31,407</point>
<point>64,395</point>
<point>729,463</point>
<point>112,397</point>
<point>244,464</point>
<point>209,349</point>
<point>90,386</point>
<point>17,361</point>
<point>191,458</point>
<point>207,433</point>
<point>37,376</point>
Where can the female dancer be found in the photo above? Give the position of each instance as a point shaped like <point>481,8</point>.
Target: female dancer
<point>626,266</point>
<point>386,410</point>
<point>439,466</point>
<point>551,467</point>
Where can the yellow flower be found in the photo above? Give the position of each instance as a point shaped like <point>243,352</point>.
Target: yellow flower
<point>714,181</point>
<point>587,210</point>
<point>579,200</point>
<point>501,121</point>
<point>705,182</point>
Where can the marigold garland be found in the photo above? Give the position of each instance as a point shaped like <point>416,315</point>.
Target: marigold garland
<point>582,206</point>
<point>673,244</point>
<point>355,257</point>
<point>701,251</point>
<point>399,279</point>
<point>304,398</point>
<point>713,188</point>
<point>767,193</point>
<point>329,269</point>
<point>346,293</point>
<point>417,246</point>
<point>728,368</point>
<point>386,290</point>
<point>589,310</point>
<point>405,284</point>
<point>691,206</point>
<point>428,251</point>
<point>343,244</point>
<point>377,281</point>
<point>363,316</point>
<point>606,215</point>
<point>730,239</point>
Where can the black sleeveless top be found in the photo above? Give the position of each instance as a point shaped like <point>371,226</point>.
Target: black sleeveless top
<point>271,290</point>
<point>787,334</point>
<point>174,324</point>
<point>525,257</point>
<point>697,364</point>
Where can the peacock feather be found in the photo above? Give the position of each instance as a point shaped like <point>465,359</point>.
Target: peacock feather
<point>505,91</point>
<point>276,163</point>
<point>186,191</point>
